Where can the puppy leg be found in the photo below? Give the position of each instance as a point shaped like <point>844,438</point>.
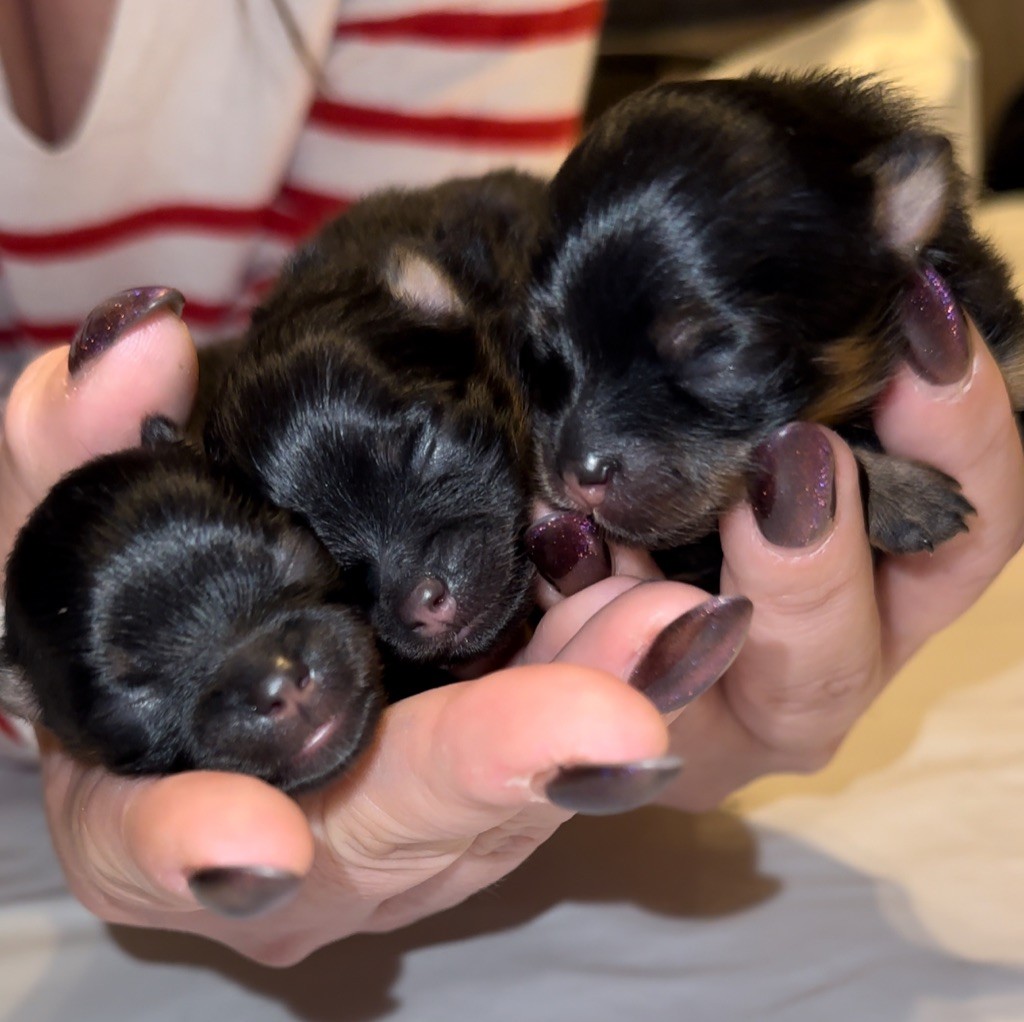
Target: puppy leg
<point>910,506</point>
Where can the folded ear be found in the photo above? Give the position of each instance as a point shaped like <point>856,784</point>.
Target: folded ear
<point>417,281</point>
<point>16,694</point>
<point>914,176</point>
<point>158,430</point>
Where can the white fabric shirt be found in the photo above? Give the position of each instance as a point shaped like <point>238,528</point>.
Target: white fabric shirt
<point>203,153</point>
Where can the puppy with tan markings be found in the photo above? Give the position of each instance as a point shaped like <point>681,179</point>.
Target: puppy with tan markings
<point>729,256</point>
<point>375,399</point>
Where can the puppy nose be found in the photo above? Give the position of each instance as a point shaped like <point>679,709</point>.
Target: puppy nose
<point>587,479</point>
<point>593,470</point>
<point>429,609</point>
<point>283,688</point>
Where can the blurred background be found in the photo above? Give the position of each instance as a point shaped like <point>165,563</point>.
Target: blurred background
<point>645,40</point>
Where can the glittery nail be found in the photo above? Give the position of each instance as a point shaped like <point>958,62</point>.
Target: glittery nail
<point>108,322</point>
<point>569,551</point>
<point>604,789</point>
<point>793,490</point>
<point>689,655</point>
<point>935,328</point>
<point>239,892</point>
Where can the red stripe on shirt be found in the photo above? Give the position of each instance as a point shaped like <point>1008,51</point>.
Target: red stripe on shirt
<point>277,218</point>
<point>7,728</point>
<point>106,232</point>
<point>468,28</point>
<point>445,128</point>
<point>296,213</point>
<point>307,205</point>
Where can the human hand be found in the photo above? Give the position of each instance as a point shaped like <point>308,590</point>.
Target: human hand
<point>830,626</point>
<point>460,784</point>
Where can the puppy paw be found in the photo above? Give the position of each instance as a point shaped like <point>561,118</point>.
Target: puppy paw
<point>910,506</point>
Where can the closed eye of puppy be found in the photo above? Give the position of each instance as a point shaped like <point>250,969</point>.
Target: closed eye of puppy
<point>726,257</point>
<point>375,399</point>
<point>158,621</point>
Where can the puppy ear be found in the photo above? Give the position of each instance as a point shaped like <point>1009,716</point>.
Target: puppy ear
<point>158,430</point>
<point>16,694</point>
<point>914,177</point>
<point>417,281</point>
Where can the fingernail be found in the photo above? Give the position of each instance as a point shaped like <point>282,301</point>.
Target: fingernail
<point>569,551</point>
<point>239,892</point>
<point>935,328</point>
<point>793,489</point>
<point>693,652</point>
<point>601,790</point>
<point>105,325</point>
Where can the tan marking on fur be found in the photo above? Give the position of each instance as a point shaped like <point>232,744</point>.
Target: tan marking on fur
<point>851,366</point>
<point>420,283</point>
<point>909,210</point>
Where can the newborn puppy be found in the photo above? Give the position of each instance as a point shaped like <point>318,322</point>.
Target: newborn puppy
<point>728,256</point>
<point>375,399</point>
<point>158,621</point>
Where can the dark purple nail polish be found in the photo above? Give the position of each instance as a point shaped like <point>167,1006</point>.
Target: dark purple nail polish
<point>104,326</point>
<point>242,891</point>
<point>693,652</point>
<point>600,790</point>
<point>939,347</point>
<point>793,489</point>
<point>569,551</point>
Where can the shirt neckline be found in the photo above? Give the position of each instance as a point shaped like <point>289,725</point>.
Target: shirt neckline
<point>12,126</point>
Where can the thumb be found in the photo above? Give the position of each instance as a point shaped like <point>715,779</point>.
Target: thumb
<point>132,849</point>
<point>133,357</point>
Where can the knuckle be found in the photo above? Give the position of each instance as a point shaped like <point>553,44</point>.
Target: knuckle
<point>805,723</point>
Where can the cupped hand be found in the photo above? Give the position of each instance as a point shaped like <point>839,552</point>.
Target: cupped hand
<point>831,626</point>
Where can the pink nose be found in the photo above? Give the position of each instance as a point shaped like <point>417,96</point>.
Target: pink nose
<point>585,496</point>
<point>429,609</point>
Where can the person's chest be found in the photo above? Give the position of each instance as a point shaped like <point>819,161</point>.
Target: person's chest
<point>52,52</point>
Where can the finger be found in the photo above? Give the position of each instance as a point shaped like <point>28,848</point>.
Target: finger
<point>669,640</point>
<point>55,420</point>
<point>811,662</point>
<point>568,615</point>
<point>454,762</point>
<point>571,553</point>
<point>131,847</point>
<point>967,430</point>
<point>635,562</point>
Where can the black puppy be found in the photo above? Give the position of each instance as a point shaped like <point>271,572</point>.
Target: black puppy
<point>375,399</point>
<point>157,620</point>
<point>160,616</point>
<point>728,256</point>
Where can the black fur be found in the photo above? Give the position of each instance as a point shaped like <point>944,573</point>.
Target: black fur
<point>158,620</point>
<point>727,256</point>
<point>163,615</point>
<point>375,399</point>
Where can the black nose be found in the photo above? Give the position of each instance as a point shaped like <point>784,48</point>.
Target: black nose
<point>594,470</point>
<point>586,480</point>
<point>429,609</point>
<point>283,686</point>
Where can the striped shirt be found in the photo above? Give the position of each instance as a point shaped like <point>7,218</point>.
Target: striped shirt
<point>208,148</point>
